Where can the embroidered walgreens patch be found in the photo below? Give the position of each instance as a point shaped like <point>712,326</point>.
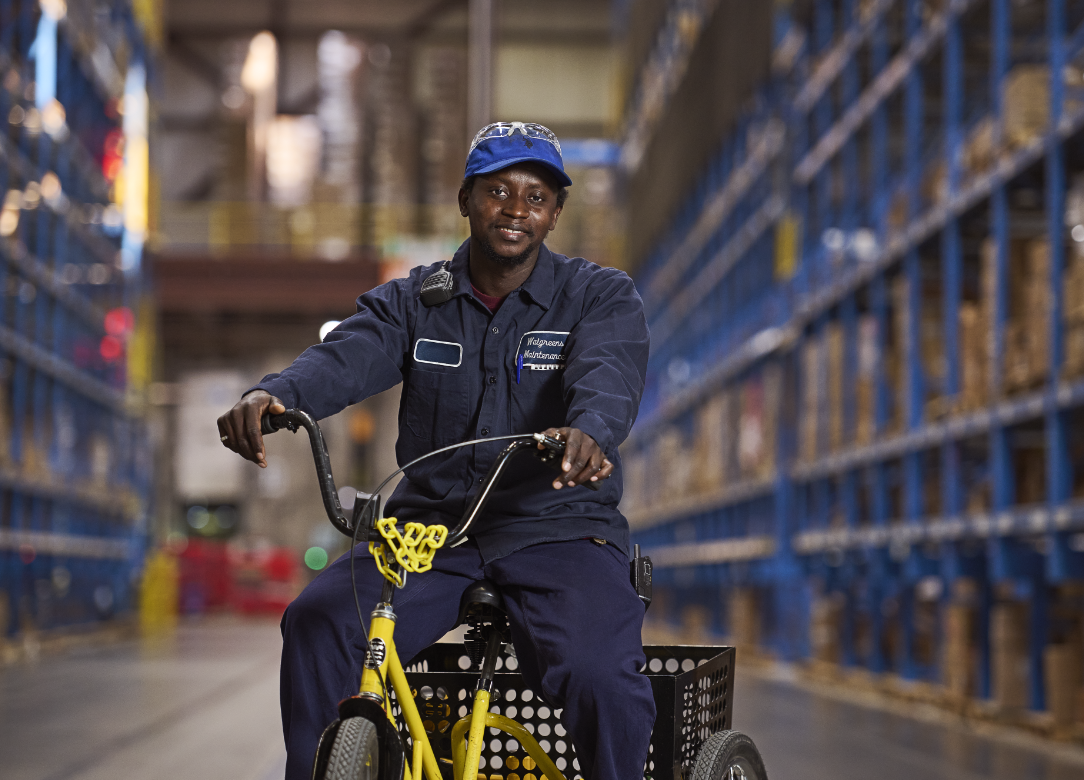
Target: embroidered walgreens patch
<point>438,353</point>
<point>542,349</point>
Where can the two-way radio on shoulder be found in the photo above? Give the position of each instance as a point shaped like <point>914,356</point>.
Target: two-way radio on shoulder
<point>438,287</point>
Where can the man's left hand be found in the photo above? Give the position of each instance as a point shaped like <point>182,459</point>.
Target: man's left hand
<point>583,460</point>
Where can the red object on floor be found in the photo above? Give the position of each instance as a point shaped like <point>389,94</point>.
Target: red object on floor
<point>205,581</point>
<point>265,581</point>
<point>214,575</point>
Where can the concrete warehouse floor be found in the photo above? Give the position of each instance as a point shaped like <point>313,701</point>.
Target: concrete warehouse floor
<point>204,704</point>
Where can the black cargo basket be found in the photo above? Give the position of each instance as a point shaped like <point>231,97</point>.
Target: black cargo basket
<point>693,688</point>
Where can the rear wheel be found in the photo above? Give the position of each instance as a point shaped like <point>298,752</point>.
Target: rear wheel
<point>355,753</point>
<point>729,755</point>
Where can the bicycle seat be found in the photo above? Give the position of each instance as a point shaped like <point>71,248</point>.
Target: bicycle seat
<point>483,593</point>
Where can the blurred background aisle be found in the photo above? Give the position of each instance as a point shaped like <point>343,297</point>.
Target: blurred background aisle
<point>201,703</point>
<point>857,227</point>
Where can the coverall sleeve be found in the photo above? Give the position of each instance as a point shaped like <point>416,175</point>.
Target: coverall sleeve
<point>361,357</point>
<point>607,361</point>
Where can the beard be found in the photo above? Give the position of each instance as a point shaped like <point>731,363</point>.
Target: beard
<point>508,262</point>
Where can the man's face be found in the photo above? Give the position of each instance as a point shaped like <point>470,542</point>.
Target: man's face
<point>511,212</point>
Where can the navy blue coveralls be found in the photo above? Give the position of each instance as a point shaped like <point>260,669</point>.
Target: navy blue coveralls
<point>567,348</point>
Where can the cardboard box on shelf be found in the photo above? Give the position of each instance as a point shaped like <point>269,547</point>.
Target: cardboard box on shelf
<point>1062,681</point>
<point>1026,345</point>
<point>834,348</point>
<point>1073,280</point>
<point>896,218</point>
<point>825,625</point>
<point>960,655</point>
<point>931,8</point>
<point>1017,370</point>
<point>901,327</point>
<point>869,354</point>
<point>1074,350</point>
<point>866,8</point>
<point>979,152</point>
<point>674,464</point>
<point>864,411</point>
<point>1074,207</point>
<point>1026,100</point>
<point>636,496</point>
<point>5,423</point>
<point>743,617</point>
<point>1029,474</point>
<point>5,615</point>
<point>696,625</point>
<point>1038,296</point>
<point>773,410</point>
<point>934,185</point>
<point>760,399</point>
<point>714,434</point>
<point>751,438</point>
<point>1009,656</point>
<point>978,499</point>
<point>974,385</point>
<point>812,377</point>
<point>893,371</point>
<point>1074,290</point>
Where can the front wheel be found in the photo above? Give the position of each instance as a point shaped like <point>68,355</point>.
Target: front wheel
<point>729,755</point>
<point>355,753</point>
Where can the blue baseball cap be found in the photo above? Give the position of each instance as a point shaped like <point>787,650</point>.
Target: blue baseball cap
<point>502,144</point>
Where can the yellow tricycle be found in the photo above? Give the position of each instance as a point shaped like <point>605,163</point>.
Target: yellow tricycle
<point>465,709</point>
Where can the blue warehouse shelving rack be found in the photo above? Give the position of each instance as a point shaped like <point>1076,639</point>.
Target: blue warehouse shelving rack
<point>866,390</point>
<point>74,452</point>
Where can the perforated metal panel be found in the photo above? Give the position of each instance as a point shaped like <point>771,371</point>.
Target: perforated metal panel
<point>692,687</point>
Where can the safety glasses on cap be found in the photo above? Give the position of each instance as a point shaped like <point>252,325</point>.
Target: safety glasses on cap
<point>506,129</point>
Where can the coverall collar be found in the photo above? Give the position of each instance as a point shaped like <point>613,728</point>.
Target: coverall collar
<point>539,285</point>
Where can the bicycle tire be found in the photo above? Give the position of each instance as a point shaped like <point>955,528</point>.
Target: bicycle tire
<point>729,755</point>
<point>355,753</point>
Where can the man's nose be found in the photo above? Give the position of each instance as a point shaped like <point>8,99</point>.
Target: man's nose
<point>516,207</point>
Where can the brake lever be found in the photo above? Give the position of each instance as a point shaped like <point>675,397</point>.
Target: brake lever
<point>552,454</point>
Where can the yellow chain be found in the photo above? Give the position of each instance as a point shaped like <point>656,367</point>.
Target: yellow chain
<point>413,551</point>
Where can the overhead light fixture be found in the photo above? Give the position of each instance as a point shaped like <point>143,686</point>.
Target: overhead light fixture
<point>261,64</point>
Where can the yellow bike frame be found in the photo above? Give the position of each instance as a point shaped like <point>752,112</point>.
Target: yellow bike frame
<point>465,758</point>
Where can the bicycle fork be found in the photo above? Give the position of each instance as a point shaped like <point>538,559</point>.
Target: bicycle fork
<point>466,766</point>
<point>382,665</point>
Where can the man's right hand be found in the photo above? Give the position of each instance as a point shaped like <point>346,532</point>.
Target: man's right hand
<point>239,428</point>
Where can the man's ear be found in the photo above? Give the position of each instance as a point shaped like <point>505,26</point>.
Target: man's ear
<point>553,222</point>
<point>464,196</point>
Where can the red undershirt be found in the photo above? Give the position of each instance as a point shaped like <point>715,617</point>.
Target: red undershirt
<point>492,303</point>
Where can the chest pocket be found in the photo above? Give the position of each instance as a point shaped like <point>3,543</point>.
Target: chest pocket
<point>538,396</point>
<point>435,405</point>
<point>538,401</point>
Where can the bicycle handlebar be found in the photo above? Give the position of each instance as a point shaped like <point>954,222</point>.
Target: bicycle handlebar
<point>292,419</point>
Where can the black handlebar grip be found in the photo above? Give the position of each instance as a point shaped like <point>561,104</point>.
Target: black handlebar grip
<point>271,423</point>
<point>551,456</point>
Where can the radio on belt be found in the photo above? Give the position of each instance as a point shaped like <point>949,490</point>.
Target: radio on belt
<point>640,573</point>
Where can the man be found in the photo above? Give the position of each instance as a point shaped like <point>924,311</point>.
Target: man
<point>526,340</point>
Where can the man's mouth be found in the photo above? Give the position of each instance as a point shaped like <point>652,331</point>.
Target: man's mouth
<point>511,233</point>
